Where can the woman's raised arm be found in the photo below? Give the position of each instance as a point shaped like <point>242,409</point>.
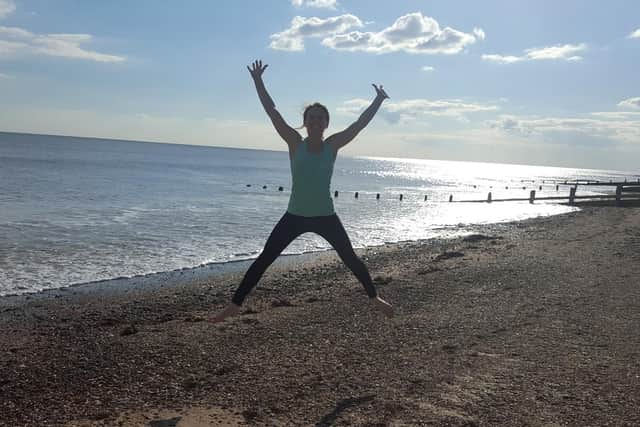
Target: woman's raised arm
<point>289,134</point>
<point>341,139</point>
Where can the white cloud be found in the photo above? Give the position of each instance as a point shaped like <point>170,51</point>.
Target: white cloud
<point>7,7</point>
<point>8,48</point>
<point>5,76</point>
<point>353,106</point>
<point>428,68</point>
<point>617,115</point>
<point>411,109</point>
<point>321,4</point>
<point>607,126</point>
<point>502,59</point>
<point>292,39</point>
<point>635,34</point>
<point>412,33</point>
<point>565,52</point>
<point>17,41</point>
<point>630,103</point>
<point>15,33</point>
<point>479,33</point>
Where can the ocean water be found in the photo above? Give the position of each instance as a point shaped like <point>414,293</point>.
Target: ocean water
<point>78,210</point>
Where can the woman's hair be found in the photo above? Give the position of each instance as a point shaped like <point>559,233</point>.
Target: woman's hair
<point>309,107</point>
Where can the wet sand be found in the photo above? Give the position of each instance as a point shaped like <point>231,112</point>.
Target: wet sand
<point>529,323</point>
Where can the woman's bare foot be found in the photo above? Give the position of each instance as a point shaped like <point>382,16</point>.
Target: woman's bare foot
<point>230,310</point>
<point>383,306</point>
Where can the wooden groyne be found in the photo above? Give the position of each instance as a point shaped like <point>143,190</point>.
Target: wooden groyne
<point>625,192</point>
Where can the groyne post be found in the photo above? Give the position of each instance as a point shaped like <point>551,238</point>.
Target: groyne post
<point>572,195</point>
<point>532,196</point>
<point>618,195</point>
<point>489,197</point>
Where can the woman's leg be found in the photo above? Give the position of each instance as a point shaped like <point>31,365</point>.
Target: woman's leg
<point>285,231</point>
<point>332,230</point>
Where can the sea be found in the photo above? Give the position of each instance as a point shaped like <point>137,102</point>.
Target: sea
<point>82,210</point>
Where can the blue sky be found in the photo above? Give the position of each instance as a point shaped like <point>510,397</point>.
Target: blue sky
<point>530,82</point>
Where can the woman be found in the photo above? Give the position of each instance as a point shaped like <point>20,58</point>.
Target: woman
<point>310,205</point>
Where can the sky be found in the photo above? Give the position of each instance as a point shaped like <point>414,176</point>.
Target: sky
<point>540,82</point>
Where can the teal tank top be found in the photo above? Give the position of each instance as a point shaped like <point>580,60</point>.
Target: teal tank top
<point>311,181</point>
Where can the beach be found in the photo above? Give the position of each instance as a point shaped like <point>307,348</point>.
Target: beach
<point>525,323</point>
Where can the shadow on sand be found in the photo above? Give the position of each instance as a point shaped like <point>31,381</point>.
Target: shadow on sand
<point>173,422</point>
<point>342,406</point>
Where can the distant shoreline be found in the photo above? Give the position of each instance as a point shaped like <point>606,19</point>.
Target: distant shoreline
<point>133,141</point>
<point>630,173</point>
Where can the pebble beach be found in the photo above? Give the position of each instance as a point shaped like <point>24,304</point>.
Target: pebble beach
<point>524,323</point>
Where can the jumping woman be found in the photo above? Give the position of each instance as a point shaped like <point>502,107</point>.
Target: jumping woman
<point>310,205</point>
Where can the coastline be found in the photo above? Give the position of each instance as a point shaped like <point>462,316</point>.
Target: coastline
<point>215,270</point>
<point>183,277</point>
<point>534,323</point>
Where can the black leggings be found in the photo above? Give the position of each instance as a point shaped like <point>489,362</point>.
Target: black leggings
<point>288,228</point>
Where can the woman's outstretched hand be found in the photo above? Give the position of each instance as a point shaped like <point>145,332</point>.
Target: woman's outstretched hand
<point>380,92</point>
<point>257,69</point>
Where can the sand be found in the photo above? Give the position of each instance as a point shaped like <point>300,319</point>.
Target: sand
<point>528,323</point>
